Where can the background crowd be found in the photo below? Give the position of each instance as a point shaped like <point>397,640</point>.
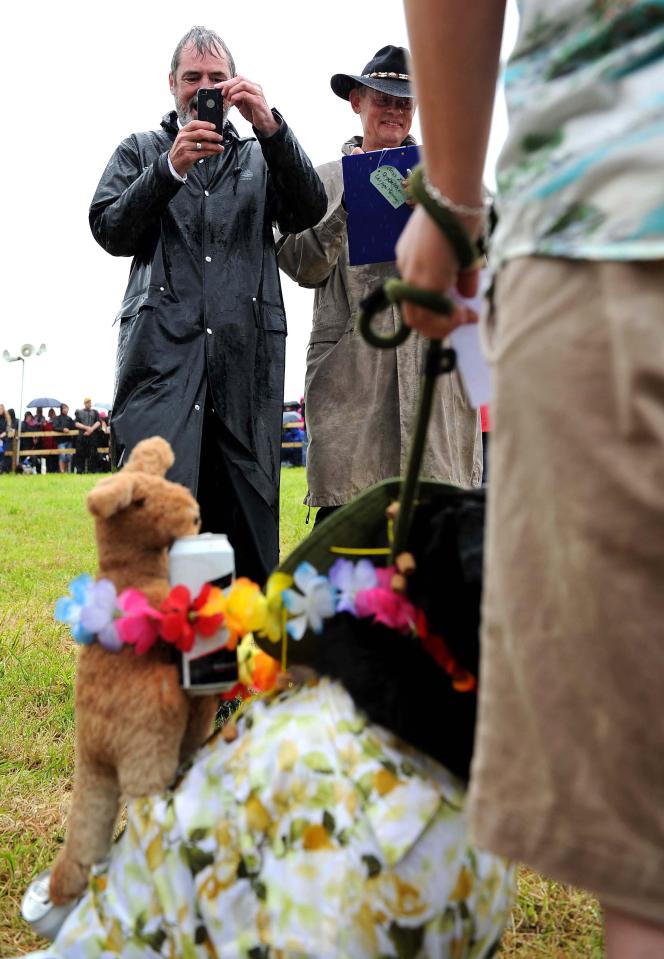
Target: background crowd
<point>55,442</point>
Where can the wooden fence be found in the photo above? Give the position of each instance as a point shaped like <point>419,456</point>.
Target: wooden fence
<point>16,453</point>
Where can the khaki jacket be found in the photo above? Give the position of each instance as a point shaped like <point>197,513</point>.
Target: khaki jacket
<point>360,402</point>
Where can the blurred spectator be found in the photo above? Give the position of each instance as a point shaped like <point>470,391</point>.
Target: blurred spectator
<point>38,425</point>
<point>10,443</point>
<point>88,425</point>
<point>29,425</point>
<point>5,426</point>
<point>305,441</point>
<point>292,418</point>
<point>103,458</point>
<point>50,443</point>
<point>486,429</point>
<point>64,424</point>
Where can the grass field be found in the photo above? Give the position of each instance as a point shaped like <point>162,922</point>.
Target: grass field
<point>46,538</point>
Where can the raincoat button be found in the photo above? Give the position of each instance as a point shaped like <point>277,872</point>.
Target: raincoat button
<point>196,406</point>
<point>207,192</point>
<point>209,331</point>
<point>208,259</point>
<point>161,288</point>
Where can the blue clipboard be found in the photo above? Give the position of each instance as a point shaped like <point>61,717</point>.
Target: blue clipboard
<point>374,225</point>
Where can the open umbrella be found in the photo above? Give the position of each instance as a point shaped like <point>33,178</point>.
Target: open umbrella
<point>44,401</point>
<point>102,406</point>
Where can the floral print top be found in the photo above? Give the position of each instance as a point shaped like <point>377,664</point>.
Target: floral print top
<point>313,834</point>
<point>580,174</point>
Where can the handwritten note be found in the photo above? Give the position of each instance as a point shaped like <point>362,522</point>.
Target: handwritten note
<point>387,180</point>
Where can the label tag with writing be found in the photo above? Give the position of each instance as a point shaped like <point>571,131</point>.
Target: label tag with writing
<point>387,180</point>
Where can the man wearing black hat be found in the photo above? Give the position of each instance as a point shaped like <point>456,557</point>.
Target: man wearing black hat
<point>361,401</point>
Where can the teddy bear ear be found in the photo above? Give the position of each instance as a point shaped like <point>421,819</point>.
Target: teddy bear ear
<point>153,455</point>
<point>110,495</point>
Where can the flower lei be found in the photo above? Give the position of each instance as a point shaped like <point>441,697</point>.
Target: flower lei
<point>290,605</point>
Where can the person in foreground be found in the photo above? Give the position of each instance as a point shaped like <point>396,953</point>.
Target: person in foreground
<point>353,390</point>
<point>572,649</point>
<point>202,326</point>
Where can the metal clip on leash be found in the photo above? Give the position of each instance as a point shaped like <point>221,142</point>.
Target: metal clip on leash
<point>438,360</point>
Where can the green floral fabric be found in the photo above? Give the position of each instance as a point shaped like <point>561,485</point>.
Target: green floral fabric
<point>314,834</point>
<point>580,174</point>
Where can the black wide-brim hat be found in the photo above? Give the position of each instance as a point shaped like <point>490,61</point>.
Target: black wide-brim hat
<point>388,72</point>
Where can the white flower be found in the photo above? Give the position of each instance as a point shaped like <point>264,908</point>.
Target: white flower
<point>313,604</point>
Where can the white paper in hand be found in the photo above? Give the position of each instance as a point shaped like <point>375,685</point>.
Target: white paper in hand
<point>473,367</point>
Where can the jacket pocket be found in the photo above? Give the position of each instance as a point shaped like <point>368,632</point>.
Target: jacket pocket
<point>330,325</point>
<point>269,316</point>
<point>132,304</point>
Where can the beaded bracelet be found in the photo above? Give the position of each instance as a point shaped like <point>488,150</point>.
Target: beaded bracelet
<point>466,251</point>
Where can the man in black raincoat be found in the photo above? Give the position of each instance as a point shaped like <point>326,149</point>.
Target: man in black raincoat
<point>201,345</point>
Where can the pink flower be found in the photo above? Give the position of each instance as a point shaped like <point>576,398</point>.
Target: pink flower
<point>392,609</point>
<point>140,624</point>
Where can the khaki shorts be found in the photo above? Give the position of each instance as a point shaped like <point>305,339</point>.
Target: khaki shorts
<point>568,773</point>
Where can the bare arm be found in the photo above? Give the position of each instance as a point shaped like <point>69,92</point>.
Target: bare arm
<point>456,51</point>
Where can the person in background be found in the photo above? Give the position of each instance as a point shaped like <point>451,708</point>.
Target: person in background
<point>103,458</point>
<point>10,443</point>
<point>28,443</point>
<point>201,348</point>
<point>87,422</point>
<point>50,443</point>
<point>351,388</point>
<point>5,427</point>
<point>293,433</point>
<point>573,659</point>
<point>64,424</point>
<point>485,419</point>
<point>38,422</point>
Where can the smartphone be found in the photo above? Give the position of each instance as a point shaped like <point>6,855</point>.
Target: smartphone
<point>210,107</point>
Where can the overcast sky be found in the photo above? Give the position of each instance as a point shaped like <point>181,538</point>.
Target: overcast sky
<point>79,78</point>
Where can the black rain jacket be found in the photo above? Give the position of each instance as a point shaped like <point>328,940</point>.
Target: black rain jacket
<point>203,308</point>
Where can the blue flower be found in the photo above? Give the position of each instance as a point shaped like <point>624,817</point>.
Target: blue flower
<point>350,578</point>
<point>314,603</point>
<point>90,612</point>
<point>99,613</point>
<point>68,609</point>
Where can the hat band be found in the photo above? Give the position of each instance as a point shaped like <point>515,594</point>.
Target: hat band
<point>385,76</point>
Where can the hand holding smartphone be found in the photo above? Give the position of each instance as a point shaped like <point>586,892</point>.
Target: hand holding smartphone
<point>210,107</point>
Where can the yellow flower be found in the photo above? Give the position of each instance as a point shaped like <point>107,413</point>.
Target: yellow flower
<point>384,782</point>
<point>273,625</point>
<point>256,669</point>
<point>463,887</point>
<point>245,609</point>
<point>215,605</point>
<point>287,755</point>
<point>316,837</point>
<point>258,818</point>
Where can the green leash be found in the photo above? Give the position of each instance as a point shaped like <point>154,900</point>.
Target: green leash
<point>438,360</point>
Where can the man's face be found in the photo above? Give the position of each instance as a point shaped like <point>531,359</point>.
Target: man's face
<point>193,73</point>
<point>386,120</point>
<point>64,409</point>
<point>87,404</point>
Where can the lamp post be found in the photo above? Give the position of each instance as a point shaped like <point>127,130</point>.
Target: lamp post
<point>26,350</point>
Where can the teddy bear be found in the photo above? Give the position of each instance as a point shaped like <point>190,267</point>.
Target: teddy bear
<point>134,722</point>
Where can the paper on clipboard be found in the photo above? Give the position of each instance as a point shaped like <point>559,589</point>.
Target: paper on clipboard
<point>375,201</point>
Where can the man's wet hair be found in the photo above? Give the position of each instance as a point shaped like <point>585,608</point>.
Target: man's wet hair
<point>205,41</point>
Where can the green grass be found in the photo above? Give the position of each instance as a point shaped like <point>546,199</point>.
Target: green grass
<point>46,538</point>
